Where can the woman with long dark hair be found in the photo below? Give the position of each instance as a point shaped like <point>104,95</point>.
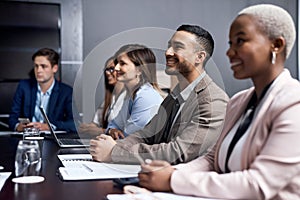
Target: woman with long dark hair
<point>113,100</point>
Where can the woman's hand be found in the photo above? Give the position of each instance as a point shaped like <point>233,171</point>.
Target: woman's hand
<point>115,133</point>
<point>156,175</point>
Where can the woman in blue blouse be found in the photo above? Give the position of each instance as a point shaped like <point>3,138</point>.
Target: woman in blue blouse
<point>136,68</point>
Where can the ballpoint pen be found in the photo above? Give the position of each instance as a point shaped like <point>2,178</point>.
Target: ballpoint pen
<point>87,167</point>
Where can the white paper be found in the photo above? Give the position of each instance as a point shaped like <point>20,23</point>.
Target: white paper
<point>74,157</point>
<point>80,167</point>
<point>3,177</point>
<point>153,196</point>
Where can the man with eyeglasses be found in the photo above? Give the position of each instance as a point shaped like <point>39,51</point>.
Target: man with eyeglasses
<point>43,90</point>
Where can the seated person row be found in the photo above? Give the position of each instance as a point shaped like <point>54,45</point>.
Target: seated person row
<point>197,115</point>
<point>43,90</point>
<point>113,101</point>
<point>256,158</point>
<point>136,69</point>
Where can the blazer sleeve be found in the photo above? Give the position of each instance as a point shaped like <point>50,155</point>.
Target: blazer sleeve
<point>191,137</point>
<point>15,109</point>
<point>202,163</point>
<point>61,113</point>
<point>18,104</point>
<point>275,166</point>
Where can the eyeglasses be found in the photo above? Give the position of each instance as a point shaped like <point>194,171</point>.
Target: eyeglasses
<point>110,69</point>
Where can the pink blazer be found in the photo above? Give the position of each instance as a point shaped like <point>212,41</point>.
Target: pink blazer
<point>271,154</point>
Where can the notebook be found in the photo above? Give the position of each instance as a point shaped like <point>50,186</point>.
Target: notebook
<point>65,142</point>
<point>81,167</point>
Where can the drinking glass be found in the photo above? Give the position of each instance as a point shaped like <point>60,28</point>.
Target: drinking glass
<point>31,132</point>
<point>28,158</point>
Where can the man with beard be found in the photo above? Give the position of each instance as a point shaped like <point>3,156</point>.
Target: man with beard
<point>189,119</point>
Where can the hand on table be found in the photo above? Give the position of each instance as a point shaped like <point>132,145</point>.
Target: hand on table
<point>116,133</point>
<point>101,148</point>
<point>156,175</point>
<point>21,127</point>
<point>39,125</point>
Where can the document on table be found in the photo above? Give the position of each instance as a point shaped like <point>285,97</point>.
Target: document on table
<point>81,167</point>
<point>153,196</point>
<point>3,177</point>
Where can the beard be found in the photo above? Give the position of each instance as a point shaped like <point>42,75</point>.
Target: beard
<point>179,66</point>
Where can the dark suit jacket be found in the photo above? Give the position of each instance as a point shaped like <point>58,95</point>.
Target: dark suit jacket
<point>59,108</point>
<point>194,131</point>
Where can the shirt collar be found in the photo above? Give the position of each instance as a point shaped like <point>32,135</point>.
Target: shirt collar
<point>49,91</point>
<point>184,94</point>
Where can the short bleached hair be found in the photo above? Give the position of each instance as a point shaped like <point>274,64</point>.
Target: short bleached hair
<point>274,21</point>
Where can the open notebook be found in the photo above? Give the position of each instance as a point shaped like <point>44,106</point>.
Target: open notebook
<point>81,167</point>
<point>64,142</point>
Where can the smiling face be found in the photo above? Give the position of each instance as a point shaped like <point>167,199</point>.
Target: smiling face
<point>127,72</point>
<point>181,53</point>
<point>110,72</point>
<point>250,50</point>
<point>43,70</point>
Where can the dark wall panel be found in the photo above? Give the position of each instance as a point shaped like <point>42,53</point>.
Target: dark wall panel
<point>25,27</point>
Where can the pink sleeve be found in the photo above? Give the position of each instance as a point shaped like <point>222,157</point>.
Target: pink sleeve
<point>274,171</point>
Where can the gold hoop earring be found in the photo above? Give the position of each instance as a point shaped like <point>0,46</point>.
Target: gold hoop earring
<point>273,57</point>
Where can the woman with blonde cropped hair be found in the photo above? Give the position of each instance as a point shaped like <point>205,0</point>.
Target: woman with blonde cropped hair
<point>257,155</point>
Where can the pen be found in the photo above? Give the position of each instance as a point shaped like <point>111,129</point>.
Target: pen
<point>140,159</point>
<point>87,167</point>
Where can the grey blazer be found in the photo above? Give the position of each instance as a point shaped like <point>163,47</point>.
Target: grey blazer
<point>194,131</point>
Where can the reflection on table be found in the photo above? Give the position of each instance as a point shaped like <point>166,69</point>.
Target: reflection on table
<point>53,187</point>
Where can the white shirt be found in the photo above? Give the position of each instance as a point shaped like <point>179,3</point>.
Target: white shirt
<point>112,111</point>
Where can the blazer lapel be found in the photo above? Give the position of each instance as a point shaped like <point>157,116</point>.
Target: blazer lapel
<point>260,118</point>
<point>187,108</point>
<point>198,88</point>
<point>235,111</point>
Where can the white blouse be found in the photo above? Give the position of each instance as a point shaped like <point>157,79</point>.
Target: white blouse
<point>234,162</point>
<point>112,111</point>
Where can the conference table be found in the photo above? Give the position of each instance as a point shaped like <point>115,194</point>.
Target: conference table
<point>52,188</point>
